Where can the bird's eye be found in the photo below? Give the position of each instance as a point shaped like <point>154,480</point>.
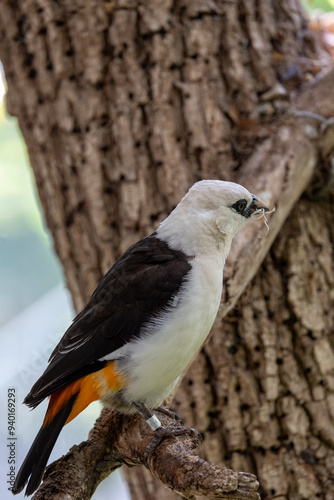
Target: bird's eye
<point>239,206</point>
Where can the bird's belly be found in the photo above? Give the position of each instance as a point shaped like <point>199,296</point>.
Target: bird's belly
<point>169,343</point>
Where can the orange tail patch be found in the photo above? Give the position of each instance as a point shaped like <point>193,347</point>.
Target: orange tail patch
<point>88,389</point>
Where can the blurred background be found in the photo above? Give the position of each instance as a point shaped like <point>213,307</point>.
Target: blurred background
<point>323,5</point>
<point>35,307</point>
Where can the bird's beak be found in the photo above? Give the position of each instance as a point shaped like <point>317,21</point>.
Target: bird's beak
<point>254,206</point>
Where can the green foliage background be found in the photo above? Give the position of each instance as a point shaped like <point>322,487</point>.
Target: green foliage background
<point>325,5</point>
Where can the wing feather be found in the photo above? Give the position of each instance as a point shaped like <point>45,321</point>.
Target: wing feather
<point>137,287</point>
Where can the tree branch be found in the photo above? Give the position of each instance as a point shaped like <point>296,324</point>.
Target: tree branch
<point>282,168</point>
<point>119,439</point>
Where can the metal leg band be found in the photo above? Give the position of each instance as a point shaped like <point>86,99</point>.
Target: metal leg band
<point>153,423</point>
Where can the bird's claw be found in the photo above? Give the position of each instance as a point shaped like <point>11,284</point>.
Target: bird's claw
<point>169,431</point>
<point>170,413</point>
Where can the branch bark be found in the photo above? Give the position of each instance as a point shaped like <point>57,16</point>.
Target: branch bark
<point>276,166</point>
<point>117,439</point>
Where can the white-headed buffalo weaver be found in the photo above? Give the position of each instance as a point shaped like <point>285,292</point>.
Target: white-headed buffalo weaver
<point>145,322</point>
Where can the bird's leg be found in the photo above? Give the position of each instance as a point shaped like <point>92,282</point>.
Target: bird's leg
<point>160,431</point>
<point>152,420</point>
<point>166,411</point>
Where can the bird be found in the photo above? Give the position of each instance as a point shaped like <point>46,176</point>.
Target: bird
<point>145,322</point>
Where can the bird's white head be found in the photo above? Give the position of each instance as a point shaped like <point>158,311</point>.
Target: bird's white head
<point>208,216</point>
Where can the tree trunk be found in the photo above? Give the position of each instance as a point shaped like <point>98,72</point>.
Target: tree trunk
<point>123,106</point>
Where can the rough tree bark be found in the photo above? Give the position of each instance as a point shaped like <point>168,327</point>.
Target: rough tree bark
<point>123,106</point>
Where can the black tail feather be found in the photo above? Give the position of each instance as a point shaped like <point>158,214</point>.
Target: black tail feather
<point>38,455</point>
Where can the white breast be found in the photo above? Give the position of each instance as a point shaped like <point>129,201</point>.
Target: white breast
<point>169,343</point>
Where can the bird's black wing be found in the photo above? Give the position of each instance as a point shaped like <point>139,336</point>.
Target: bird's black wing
<point>137,287</point>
